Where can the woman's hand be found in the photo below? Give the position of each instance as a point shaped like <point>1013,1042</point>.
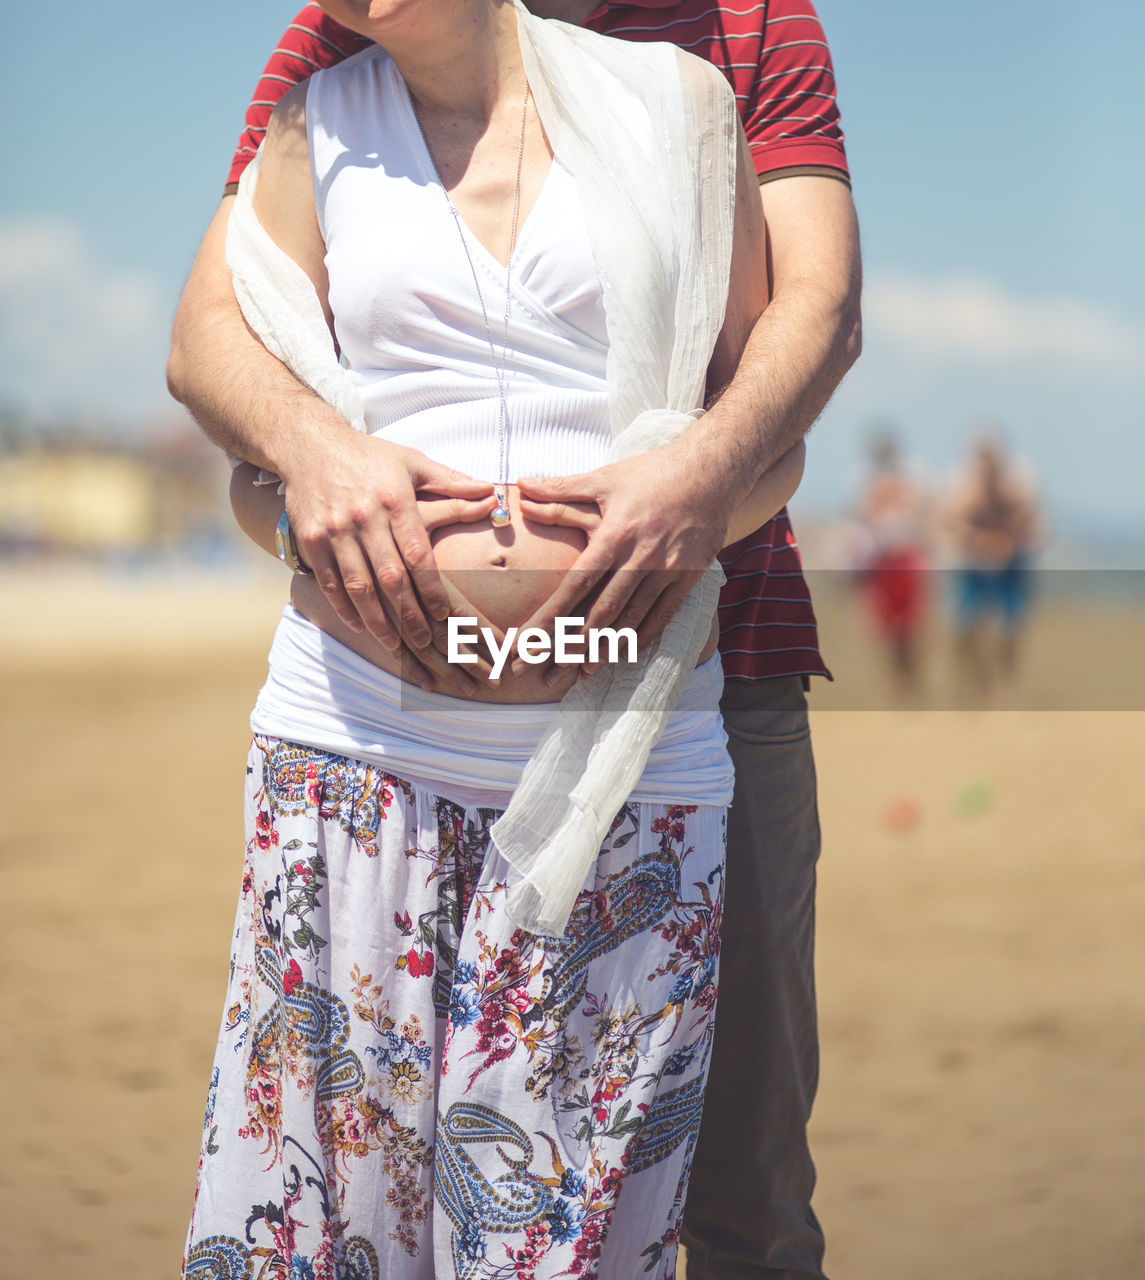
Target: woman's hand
<point>437,511</point>
<point>585,516</point>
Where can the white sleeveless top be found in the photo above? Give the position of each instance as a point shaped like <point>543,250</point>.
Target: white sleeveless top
<point>408,318</point>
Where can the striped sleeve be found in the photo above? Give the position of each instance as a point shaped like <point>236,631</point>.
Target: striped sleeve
<point>791,118</point>
<point>774,54</point>
<point>312,41</point>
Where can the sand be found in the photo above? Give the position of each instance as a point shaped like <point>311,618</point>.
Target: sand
<point>982,1108</point>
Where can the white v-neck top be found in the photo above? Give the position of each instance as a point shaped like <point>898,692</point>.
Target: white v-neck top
<point>407,313</point>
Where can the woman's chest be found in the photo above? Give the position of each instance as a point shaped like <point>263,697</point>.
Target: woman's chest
<point>406,270</point>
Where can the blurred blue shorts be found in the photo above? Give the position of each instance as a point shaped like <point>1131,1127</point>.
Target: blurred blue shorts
<point>1003,592</point>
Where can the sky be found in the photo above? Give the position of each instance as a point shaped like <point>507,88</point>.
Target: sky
<point>998,173</point>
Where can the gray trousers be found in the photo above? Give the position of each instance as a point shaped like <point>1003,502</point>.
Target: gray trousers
<point>748,1214</point>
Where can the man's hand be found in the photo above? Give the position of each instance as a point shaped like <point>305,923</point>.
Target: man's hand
<point>355,515</point>
<point>430,669</point>
<point>654,524</point>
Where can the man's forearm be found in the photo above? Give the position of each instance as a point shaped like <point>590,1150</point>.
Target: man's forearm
<point>351,498</point>
<point>799,348</point>
<point>244,398</point>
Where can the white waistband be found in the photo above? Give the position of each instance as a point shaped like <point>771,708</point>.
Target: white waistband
<point>323,694</point>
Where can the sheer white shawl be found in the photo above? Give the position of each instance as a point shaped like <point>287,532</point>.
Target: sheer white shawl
<point>650,134</point>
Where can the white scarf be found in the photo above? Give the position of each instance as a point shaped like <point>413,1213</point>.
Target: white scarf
<point>659,201</point>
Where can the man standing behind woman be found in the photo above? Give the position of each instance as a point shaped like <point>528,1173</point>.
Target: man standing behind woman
<point>352,511</point>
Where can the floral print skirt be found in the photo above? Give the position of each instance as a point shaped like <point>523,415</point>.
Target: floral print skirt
<point>407,1086</point>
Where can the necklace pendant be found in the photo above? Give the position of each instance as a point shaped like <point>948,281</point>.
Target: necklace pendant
<point>500,515</point>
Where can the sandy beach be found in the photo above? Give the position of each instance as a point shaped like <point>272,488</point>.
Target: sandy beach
<point>981,950</point>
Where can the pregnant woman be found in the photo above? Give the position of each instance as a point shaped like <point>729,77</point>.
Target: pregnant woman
<point>474,966</point>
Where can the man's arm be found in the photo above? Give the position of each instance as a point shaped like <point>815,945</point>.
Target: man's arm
<point>351,498</point>
<point>665,514</point>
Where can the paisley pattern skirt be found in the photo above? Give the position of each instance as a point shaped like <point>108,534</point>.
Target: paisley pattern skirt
<point>408,1087</point>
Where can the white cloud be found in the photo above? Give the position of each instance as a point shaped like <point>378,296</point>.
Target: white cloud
<point>76,333</point>
<point>1063,378</point>
<point>971,319</point>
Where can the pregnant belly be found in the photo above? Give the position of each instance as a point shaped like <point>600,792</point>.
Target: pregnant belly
<point>504,574</point>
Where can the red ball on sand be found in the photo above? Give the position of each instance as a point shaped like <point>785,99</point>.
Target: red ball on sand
<point>902,813</point>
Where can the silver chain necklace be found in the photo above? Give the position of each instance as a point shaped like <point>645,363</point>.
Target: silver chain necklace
<point>500,515</point>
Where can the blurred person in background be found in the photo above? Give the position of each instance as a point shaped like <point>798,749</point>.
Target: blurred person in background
<point>893,559</point>
<point>749,1210</point>
<point>995,527</point>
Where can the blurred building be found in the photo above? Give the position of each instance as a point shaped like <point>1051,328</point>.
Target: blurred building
<point>79,492</point>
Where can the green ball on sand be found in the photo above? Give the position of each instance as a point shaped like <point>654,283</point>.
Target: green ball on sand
<point>974,799</point>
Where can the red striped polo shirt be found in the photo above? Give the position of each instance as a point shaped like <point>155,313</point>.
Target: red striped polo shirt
<point>775,55</point>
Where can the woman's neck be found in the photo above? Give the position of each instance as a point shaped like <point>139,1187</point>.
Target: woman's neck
<point>467,65</point>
